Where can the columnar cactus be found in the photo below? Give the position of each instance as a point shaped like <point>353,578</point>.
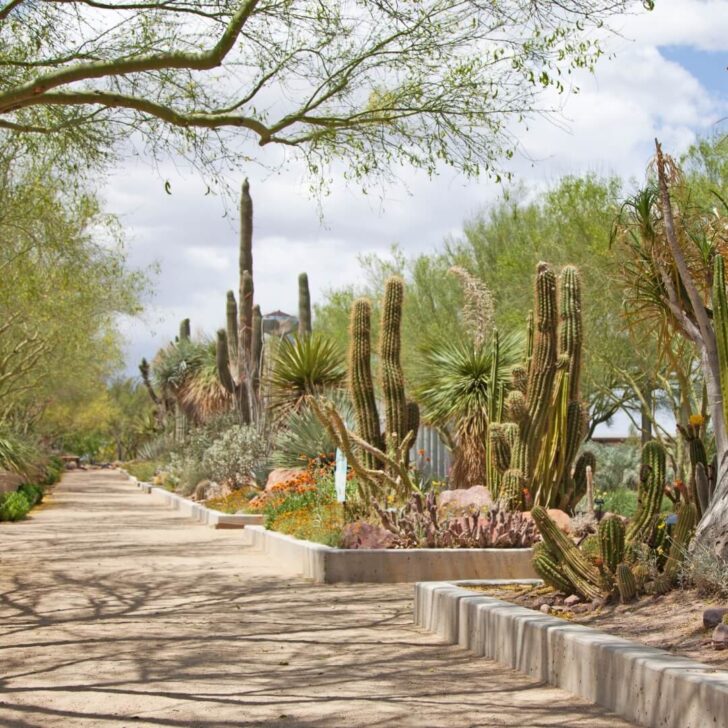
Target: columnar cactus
<point>361,383</point>
<point>687,519</point>
<point>548,569</point>
<point>184,330</point>
<point>611,542</point>
<point>304,306</point>
<point>626,583</point>
<point>650,491</point>
<point>544,401</point>
<point>390,344</point>
<point>239,345</point>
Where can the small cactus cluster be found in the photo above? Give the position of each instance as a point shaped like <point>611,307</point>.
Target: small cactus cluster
<point>418,525</point>
<point>630,559</point>
<point>401,415</point>
<point>535,454</point>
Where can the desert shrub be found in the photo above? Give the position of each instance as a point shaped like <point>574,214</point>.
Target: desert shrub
<point>238,500</point>
<point>234,456</point>
<point>184,473</point>
<point>618,466</point>
<point>157,448</point>
<point>14,507</point>
<point>32,492</point>
<point>705,571</point>
<point>53,470</point>
<point>16,454</point>
<point>143,470</point>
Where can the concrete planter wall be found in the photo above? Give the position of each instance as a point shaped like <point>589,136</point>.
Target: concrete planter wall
<point>328,565</point>
<point>196,511</point>
<point>645,685</point>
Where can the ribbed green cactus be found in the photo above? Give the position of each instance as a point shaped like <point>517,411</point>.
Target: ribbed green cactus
<point>304,306</point>
<point>390,344</point>
<point>626,583</point>
<point>184,330</point>
<point>584,461</point>
<point>720,322</point>
<point>500,448</point>
<point>510,493</point>
<point>611,542</point>
<point>256,353</point>
<point>650,491</point>
<point>544,401</point>
<point>687,519</point>
<point>361,383</point>
<point>703,489</point>
<point>413,419</point>
<point>583,575</point>
<point>548,569</point>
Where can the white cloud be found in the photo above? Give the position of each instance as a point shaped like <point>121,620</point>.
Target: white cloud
<point>608,128</point>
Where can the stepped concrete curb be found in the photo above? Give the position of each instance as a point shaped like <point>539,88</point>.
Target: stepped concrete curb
<point>327,565</point>
<point>642,684</point>
<point>196,511</point>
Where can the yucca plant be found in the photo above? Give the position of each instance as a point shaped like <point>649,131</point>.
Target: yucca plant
<point>201,393</point>
<point>303,365</point>
<point>303,438</point>
<point>455,390</point>
<point>16,455</point>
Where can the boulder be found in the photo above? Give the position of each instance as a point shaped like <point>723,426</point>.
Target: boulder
<point>363,535</point>
<point>720,637</point>
<point>280,475</point>
<point>10,481</point>
<point>713,616</point>
<point>561,519</point>
<point>207,489</point>
<point>572,600</point>
<point>464,501</point>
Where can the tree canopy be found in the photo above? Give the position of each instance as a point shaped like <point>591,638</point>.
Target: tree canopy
<point>375,83</point>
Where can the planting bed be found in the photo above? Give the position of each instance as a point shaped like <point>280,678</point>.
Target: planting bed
<point>648,686</point>
<point>325,564</point>
<point>197,511</point>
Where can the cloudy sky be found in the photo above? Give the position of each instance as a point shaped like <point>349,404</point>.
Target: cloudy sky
<point>667,79</point>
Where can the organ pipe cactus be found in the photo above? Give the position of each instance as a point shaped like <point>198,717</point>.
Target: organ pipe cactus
<point>545,401</point>
<point>390,345</point>
<point>687,519</point>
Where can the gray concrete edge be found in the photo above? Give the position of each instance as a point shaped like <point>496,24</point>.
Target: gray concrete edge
<point>196,511</point>
<point>644,685</point>
<point>325,564</point>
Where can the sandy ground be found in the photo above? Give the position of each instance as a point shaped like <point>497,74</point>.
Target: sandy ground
<point>672,622</point>
<point>114,611</point>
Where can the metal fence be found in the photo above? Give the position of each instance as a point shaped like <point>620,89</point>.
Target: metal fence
<point>430,454</point>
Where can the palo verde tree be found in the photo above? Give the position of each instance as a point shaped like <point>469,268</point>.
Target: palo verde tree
<point>376,83</point>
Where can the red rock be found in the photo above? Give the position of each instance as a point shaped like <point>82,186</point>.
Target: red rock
<point>720,636</point>
<point>713,617</point>
<point>562,520</point>
<point>462,501</point>
<point>572,600</point>
<point>280,475</point>
<point>363,535</point>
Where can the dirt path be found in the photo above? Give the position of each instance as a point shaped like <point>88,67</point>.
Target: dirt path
<point>114,611</point>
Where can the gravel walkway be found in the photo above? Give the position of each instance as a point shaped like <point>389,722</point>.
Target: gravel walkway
<point>114,611</point>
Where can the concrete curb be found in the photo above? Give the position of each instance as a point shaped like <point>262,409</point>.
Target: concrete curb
<point>642,684</point>
<point>197,512</point>
<point>327,565</point>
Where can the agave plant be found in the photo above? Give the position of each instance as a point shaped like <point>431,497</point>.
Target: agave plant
<point>303,438</point>
<point>455,391</point>
<point>303,365</point>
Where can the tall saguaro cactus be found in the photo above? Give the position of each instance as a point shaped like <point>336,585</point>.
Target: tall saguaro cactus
<point>238,351</point>
<point>390,346</point>
<point>540,458</point>
<point>304,306</point>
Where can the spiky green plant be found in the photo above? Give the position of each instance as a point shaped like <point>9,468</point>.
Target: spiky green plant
<point>16,454</point>
<point>304,365</point>
<point>303,438</point>
<point>456,391</point>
